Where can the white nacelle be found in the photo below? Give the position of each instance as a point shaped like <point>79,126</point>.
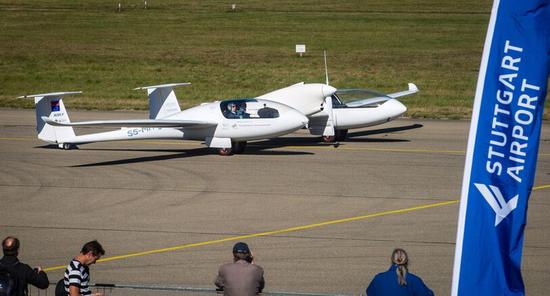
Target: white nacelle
<point>357,117</point>
<point>306,98</point>
<point>356,108</point>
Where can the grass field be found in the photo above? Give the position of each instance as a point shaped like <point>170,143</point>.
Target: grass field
<point>382,44</point>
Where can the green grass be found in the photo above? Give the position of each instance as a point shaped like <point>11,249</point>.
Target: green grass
<point>87,45</point>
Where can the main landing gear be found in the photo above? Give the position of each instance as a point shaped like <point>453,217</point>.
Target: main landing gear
<point>329,139</point>
<point>225,151</point>
<point>339,135</point>
<point>236,148</point>
<point>67,146</point>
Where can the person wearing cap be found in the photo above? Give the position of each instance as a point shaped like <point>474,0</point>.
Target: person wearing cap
<point>241,277</point>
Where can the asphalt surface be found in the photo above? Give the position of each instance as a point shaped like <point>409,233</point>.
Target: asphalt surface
<point>318,218</point>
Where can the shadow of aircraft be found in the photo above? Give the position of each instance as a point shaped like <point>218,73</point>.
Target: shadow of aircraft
<point>384,130</point>
<point>316,141</point>
<point>180,154</point>
<point>261,147</point>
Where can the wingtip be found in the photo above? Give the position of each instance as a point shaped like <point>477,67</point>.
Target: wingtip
<point>412,87</point>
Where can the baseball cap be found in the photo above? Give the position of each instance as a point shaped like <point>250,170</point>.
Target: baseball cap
<point>241,247</point>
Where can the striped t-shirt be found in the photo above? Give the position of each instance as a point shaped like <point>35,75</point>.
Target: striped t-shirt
<point>78,275</point>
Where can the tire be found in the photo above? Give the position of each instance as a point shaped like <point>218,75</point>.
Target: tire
<point>225,151</point>
<point>341,134</point>
<point>328,139</point>
<point>238,147</point>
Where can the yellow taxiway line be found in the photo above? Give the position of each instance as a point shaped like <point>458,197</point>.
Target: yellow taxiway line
<point>285,230</point>
<point>321,146</point>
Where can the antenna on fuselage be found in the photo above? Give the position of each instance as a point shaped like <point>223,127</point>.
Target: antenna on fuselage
<point>326,68</point>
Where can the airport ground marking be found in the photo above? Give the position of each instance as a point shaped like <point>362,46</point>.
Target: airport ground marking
<point>280,231</point>
<point>17,139</point>
<point>457,152</point>
<point>541,187</point>
<point>267,233</point>
<point>321,146</point>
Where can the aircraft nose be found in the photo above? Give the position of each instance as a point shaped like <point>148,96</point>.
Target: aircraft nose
<point>328,90</point>
<point>402,108</point>
<point>298,119</point>
<point>397,108</point>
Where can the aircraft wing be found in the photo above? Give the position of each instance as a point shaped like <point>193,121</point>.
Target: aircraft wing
<point>368,97</point>
<point>134,123</point>
<point>357,97</point>
<point>412,90</point>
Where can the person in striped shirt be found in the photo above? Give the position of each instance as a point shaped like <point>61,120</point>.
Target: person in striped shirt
<point>77,275</point>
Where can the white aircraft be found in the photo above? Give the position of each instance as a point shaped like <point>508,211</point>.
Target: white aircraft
<point>345,109</point>
<point>226,125</point>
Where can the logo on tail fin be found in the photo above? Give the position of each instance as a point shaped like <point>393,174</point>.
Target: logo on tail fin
<point>55,105</point>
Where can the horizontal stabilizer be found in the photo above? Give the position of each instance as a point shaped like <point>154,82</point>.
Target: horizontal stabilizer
<point>135,123</point>
<point>53,94</point>
<point>412,90</point>
<point>168,85</point>
<point>162,100</point>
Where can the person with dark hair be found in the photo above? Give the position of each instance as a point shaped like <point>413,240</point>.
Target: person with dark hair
<point>242,277</point>
<point>241,112</point>
<point>398,281</point>
<point>23,273</point>
<point>77,274</point>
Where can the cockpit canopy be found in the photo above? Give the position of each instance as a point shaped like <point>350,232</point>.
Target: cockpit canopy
<point>249,108</point>
<point>358,98</point>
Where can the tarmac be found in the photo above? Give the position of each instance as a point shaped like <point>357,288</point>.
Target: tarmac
<point>319,218</point>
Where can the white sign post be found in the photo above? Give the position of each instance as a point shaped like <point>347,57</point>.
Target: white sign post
<point>301,49</point>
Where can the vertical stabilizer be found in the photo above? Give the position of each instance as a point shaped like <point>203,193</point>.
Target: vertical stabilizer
<point>51,105</point>
<point>162,100</point>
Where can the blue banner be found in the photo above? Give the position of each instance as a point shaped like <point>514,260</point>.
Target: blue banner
<point>502,149</point>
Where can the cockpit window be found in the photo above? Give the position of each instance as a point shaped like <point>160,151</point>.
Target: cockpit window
<point>358,98</point>
<point>337,103</point>
<point>247,108</point>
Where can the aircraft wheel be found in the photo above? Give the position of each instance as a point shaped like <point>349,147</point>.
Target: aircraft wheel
<point>68,146</point>
<point>225,151</point>
<point>341,134</point>
<point>238,147</point>
<point>328,139</point>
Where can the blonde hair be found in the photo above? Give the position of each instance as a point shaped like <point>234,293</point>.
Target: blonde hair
<point>400,258</point>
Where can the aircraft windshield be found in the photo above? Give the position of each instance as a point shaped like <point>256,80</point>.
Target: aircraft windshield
<point>358,98</point>
<point>247,108</point>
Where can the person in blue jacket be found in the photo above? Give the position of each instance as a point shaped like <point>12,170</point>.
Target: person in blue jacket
<point>398,281</point>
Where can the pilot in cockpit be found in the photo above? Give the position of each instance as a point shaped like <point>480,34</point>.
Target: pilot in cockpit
<point>241,112</point>
<point>231,111</point>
